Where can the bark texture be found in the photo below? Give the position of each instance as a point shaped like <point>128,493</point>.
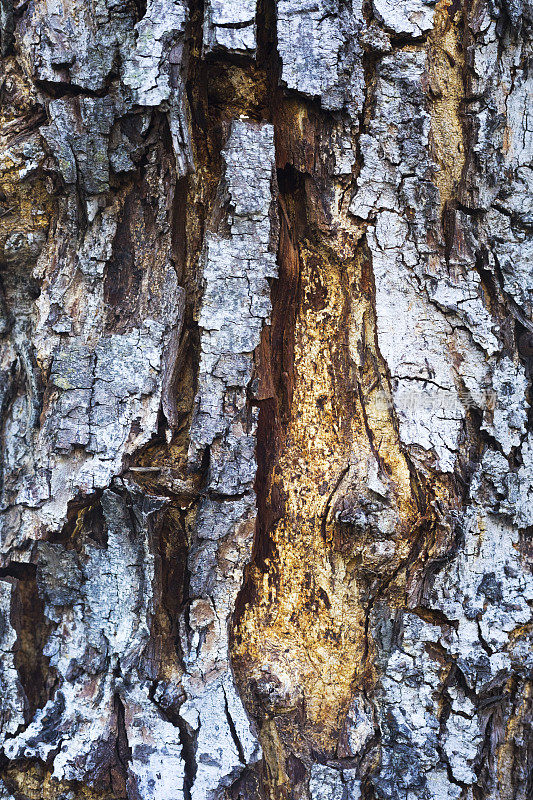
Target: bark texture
<point>265,383</point>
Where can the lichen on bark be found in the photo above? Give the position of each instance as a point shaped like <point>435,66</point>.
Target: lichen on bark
<point>266,357</point>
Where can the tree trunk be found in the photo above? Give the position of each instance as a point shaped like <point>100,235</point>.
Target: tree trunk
<point>267,345</point>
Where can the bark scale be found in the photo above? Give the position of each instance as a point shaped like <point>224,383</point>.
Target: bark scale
<point>267,346</point>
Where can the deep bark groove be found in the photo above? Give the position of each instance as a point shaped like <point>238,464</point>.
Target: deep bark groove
<point>265,439</point>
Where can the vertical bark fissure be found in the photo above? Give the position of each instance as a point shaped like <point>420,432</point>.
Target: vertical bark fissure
<point>265,380</point>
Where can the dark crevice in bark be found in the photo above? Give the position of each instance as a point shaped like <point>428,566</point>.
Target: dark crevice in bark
<point>19,570</point>
<point>277,363</point>
<point>84,519</point>
<point>60,90</point>
<point>32,630</point>
<point>188,749</point>
<point>140,6</point>
<point>433,616</point>
<point>163,651</point>
<point>119,770</point>
<point>233,730</point>
<point>267,49</point>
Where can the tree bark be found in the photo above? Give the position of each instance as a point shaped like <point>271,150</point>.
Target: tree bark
<point>267,347</point>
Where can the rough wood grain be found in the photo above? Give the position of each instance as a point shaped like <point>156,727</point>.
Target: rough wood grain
<point>266,347</point>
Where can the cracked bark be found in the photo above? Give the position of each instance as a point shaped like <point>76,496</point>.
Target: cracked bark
<point>267,461</point>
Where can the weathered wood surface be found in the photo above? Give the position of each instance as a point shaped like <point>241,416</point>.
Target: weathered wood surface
<point>266,359</point>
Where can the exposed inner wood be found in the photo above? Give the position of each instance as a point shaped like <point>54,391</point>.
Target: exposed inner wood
<point>266,346</point>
